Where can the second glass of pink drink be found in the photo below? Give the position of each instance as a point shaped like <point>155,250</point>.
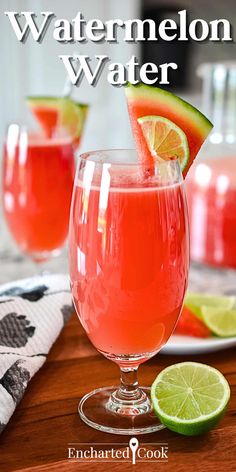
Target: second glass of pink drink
<point>38,175</point>
<point>129,258</point>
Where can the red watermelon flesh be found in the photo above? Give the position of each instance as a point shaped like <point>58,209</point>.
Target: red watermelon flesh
<point>48,119</point>
<point>190,325</point>
<point>144,100</point>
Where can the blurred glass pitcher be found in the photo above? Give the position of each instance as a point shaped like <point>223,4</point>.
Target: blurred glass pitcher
<point>211,182</point>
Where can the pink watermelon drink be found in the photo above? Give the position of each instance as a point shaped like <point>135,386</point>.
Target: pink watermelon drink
<point>211,191</point>
<point>129,250</point>
<point>37,187</point>
<point>128,263</point>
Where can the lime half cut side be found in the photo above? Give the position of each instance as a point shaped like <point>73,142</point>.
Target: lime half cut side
<point>221,322</point>
<point>202,299</point>
<point>190,398</point>
<point>195,301</point>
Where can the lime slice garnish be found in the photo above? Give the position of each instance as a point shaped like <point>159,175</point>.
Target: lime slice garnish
<point>195,302</point>
<point>190,398</point>
<point>221,322</point>
<point>71,117</point>
<point>165,139</point>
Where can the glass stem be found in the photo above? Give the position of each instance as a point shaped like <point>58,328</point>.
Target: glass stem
<point>129,386</point>
<point>129,398</point>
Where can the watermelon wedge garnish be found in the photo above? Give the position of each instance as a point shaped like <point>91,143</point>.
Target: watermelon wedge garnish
<point>165,126</point>
<point>53,113</point>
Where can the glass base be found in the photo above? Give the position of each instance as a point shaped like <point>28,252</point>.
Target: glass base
<point>101,410</point>
<point>43,256</point>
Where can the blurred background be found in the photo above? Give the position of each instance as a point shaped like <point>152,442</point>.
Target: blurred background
<point>34,69</point>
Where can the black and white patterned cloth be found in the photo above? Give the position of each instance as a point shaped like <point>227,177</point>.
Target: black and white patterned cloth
<point>32,315</point>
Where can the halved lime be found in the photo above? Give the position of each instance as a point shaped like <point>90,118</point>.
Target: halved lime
<point>190,398</point>
<point>195,302</point>
<point>221,322</point>
<point>165,139</point>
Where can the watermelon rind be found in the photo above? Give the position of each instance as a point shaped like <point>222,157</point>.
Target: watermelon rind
<point>145,92</point>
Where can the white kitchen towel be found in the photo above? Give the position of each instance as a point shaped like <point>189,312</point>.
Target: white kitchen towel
<point>32,314</point>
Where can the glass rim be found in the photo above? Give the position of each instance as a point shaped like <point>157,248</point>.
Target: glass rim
<point>36,134</point>
<point>87,157</point>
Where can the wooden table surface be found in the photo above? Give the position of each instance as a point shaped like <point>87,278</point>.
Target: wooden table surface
<point>36,439</point>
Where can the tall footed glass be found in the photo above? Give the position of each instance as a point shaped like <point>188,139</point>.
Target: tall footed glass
<point>129,258</point>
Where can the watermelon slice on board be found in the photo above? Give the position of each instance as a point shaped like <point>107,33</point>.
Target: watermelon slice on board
<point>59,112</point>
<point>190,325</point>
<point>156,113</point>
